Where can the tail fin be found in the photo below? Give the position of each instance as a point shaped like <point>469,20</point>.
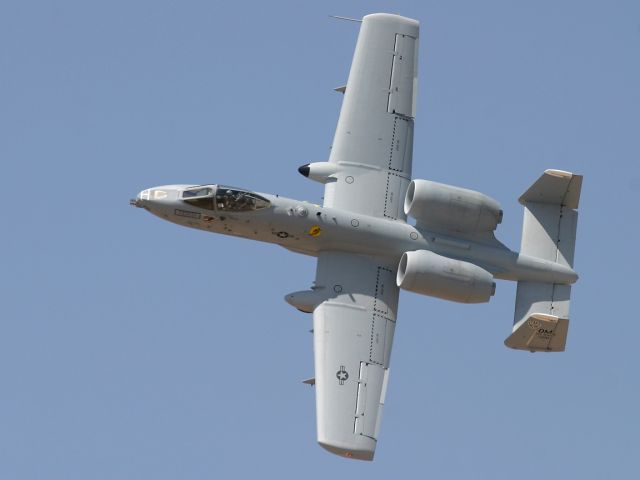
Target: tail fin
<point>541,319</point>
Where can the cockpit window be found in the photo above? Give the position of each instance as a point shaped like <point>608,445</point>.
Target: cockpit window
<point>230,199</point>
<point>197,192</point>
<point>201,197</point>
<point>225,199</point>
<point>201,202</point>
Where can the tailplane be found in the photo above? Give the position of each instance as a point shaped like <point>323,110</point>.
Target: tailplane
<point>541,319</point>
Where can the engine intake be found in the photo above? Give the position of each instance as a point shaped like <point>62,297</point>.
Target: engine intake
<point>456,209</point>
<point>431,274</point>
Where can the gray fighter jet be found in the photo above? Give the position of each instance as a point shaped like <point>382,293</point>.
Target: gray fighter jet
<point>367,251</point>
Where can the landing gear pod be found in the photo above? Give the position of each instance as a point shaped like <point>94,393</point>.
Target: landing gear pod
<point>319,171</point>
<point>305,300</point>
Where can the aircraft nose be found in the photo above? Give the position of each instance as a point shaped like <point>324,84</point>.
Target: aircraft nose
<point>156,197</point>
<point>140,198</point>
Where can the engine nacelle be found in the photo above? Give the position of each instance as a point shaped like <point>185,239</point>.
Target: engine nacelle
<point>431,274</point>
<point>441,206</point>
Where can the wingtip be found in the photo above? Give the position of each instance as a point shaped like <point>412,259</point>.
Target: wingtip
<point>352,454</point>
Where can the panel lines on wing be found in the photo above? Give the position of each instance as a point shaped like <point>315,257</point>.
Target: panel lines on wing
<point>401,88</point>
<point>378,339</point>
<point>402,127</point>
<point>397,185</point>
<point>393,142</point>
<point>386,199</point>
<point>398,167</point>
<point>380,316</point>
<point>395,50</point>
<point>384,275</point>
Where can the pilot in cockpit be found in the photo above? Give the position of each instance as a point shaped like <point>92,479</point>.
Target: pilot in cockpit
<point>226,199</point>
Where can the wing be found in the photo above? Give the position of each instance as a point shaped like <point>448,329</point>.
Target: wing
<point>353,332</point>
<point>373,143</point>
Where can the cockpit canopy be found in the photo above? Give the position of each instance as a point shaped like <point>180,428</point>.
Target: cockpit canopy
<point>223,199</point>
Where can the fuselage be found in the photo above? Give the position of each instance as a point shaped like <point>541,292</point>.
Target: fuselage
<point>309,229</point>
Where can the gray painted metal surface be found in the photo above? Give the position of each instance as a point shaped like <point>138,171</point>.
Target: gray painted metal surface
<point>360,237</point>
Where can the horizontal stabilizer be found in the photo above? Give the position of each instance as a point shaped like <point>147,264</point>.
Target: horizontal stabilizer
<point>555,187</point>
<point>550,218</point>
<point>540,333</point>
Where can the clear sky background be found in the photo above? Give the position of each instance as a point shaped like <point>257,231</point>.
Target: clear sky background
<point>131,348</point>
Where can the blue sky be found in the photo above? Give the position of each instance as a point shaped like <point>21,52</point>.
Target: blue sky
<point>131,348</point>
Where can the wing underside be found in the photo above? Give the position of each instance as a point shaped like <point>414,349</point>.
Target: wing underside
<point>371,152</point>
<point>373,143</point>
<point>353,333</point>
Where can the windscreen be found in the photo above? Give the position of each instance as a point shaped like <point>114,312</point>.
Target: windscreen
<point>201,197</point>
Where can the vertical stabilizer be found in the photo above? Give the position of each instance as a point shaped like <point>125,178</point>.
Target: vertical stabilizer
<point>541,319</point>
<point>551,216</point>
